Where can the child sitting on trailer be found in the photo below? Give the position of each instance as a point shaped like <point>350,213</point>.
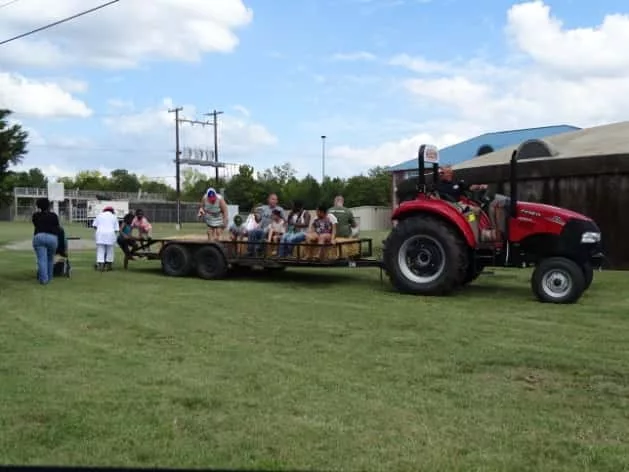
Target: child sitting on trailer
<point>237,230</point>
<point>277,228</point>
<point>125,240</point>
<point>322,231</point>
<point>142,224</point>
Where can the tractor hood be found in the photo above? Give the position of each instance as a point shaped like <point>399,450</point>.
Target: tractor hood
<point>550,212</point>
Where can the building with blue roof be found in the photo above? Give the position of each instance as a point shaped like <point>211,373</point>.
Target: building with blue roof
<point>483,144</point>
<point>474,147</point>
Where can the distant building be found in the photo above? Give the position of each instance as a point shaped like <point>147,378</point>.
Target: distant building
<point>484,144</point>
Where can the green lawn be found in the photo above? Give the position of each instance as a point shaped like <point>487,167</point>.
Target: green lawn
<point>307,369</point>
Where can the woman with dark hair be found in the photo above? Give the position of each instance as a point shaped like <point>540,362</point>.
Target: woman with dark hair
<point>45,239</point>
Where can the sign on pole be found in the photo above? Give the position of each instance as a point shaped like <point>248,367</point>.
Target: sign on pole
<point>56,192</point>
<point>431,154</point>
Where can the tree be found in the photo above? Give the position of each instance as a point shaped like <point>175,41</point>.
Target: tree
<point>13,142</point>
<point>122,181</point>
<point>244,190</point>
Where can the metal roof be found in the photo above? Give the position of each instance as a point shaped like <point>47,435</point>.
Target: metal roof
<point>596,141</point>
<point>468,149</point>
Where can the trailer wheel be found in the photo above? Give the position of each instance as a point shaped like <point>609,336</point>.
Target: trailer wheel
<point>176,260</point>
<point>588,272</point>
<point>558,280</point>
<point>211,263</point>
<point>424,255</point>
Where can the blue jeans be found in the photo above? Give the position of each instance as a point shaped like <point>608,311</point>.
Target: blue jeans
<point>45,246</point>
<point>253,237</point>
<point>288,242</point>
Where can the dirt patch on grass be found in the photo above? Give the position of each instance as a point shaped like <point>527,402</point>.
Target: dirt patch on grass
<point>73,245</point>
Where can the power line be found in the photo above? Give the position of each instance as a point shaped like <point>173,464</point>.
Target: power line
<point>6,4</point>
<point>64,20</point>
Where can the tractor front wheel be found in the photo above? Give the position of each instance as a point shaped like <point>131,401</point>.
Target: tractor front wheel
<point>425,256</point>
<point>558,280</point>
<point>588,272</point>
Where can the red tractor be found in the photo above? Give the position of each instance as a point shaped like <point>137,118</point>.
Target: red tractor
<point>437,245</point>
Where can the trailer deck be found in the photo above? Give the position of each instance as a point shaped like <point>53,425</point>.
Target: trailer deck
<point>181,255</point>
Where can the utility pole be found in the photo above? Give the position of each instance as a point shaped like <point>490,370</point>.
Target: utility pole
<point>178,160</point>
<point>214,116</point>
<point>177,164</point>
<point>323,159</point>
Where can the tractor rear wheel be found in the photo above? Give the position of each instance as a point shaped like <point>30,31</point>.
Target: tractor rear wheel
<point>558,280</point>
<point>473,272</point>
<point>425,256</point>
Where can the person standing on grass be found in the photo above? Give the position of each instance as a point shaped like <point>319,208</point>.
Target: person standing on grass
<point>106,225</point>
<point>45,239</point>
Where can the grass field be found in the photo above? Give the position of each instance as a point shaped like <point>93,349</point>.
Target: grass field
<point>307,369</point>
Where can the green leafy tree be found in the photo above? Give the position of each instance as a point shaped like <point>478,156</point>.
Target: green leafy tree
<point>121,180</point>
<point>13,143</point>
<point>244,190</point>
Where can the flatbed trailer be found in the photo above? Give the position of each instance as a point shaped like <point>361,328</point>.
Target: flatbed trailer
<point>183,256</point>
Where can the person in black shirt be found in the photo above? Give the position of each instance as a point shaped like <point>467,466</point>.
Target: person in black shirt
<point>45,239</point>
<point>450,189</point>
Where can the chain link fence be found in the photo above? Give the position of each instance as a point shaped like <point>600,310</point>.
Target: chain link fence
<point>156,212</point>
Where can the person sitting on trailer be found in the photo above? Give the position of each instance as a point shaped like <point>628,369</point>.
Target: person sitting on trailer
<point>125,239</point>
<point>142,224</point>
<point>277,228</point>
<point>215,213</point>
<point>298,223</point>
<point>253,220</point>
<point>347,226</point>
<point>256,237</point>
<point>237,230</point>
<point>322,231</point>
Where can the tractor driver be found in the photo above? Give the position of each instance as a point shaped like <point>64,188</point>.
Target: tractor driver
<point>447,186</point>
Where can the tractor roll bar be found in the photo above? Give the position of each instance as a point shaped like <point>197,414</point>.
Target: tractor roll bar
<point>427,153</point>
<point>513,183</point>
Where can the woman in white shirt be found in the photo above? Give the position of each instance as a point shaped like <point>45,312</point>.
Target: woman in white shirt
<point>106,224</point>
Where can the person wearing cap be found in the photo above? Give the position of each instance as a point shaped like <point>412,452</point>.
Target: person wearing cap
<point>215,213</point>
<point>106,235</point>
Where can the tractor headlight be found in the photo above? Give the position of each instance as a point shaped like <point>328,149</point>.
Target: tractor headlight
<point>590,237</point>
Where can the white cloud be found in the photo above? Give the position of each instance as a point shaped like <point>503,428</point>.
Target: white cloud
<point>553,75</point>
<point>346,159</point>
<point>122,35</point>
<point>237,136</point>
<point>41,99</point>
<point>418,64</point>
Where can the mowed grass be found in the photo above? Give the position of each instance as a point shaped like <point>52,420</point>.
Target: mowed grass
<point>308,369</point>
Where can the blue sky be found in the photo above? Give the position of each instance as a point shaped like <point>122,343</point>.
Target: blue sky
<point>304,68</point>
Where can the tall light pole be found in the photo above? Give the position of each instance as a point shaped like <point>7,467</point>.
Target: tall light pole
<point>322,159</point>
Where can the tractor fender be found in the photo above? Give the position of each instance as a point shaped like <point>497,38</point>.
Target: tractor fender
<point>441,209</point>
